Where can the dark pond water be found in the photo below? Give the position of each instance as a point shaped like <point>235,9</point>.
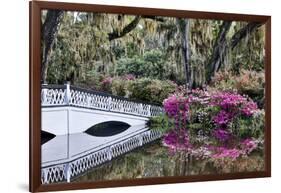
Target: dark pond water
<point>153,160</point>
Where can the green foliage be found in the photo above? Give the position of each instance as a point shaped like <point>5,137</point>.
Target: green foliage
<point>251,127</point>
<point>151,64</point>
<point>83,54</point>
<point>201,119</point>
<point>119,86</point>
<point>130,66</point>
<point>160,123</point>
<point>151,90</point>
<point>144,89</point>
<point>93,80</point>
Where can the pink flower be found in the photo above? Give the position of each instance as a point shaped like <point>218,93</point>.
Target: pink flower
<point>248,145</point>
<point>249,108</point>
<point>171,106</point>
<point>227,100</point>
<point>107,81</point>
<point>176,106</point>
<point>222,118</point>
<point>221,134</point>
<point>234,103</point>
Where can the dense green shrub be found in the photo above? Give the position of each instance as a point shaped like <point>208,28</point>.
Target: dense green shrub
<point>119,87</point>
<point>143,89</point>
<point>160,123</point>
<point>151,90</point>
<point>93,80</point>
<point>150,64</point>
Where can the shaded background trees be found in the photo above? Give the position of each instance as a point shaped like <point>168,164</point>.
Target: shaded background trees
<point>86,48</point>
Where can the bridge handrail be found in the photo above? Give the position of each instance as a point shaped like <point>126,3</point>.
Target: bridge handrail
<point>58,95</point>
<point>110,95</point>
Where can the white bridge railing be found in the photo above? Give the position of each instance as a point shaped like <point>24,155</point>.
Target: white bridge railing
<point>58,95</point>
<point>64,172</point>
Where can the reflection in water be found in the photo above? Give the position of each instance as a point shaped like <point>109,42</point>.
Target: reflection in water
<point>46,136</point>
<point>154,160</point>
<point>108,128</point>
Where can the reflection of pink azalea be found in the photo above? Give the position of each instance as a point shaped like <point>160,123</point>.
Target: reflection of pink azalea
<point>248,145</point>
<point>177,140</point>
<point>227,153</point>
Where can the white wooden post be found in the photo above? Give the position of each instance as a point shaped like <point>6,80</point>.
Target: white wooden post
<point>140,140</point>
<point>109,153</point>
<point>44,92</point>
<point>140,109</point>
<point>149,111</point>
<point>109,100</point>
<point>45,176</point>
<point>122,103</point>
<point>88,100</point>
<point>67,172</point>
<point>67,99</point>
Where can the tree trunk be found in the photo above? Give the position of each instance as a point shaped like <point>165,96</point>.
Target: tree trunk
<point>184,32</point>
<point>49,31</point>
<point>219,50</point>
<point>221,47</point>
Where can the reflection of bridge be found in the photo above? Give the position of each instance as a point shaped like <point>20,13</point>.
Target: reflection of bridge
<point>68,112</point>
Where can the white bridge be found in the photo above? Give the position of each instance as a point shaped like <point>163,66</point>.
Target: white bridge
<point>68,112</point>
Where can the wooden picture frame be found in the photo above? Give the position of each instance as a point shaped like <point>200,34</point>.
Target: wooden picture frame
<point>35,8</point>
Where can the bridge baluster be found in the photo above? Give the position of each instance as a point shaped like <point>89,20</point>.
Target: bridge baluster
<point>67,96</point>
<point>109,99</point>
<point>67,172</point>
<point>109,153</point>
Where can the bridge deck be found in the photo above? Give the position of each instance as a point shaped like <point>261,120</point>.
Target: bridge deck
<point>64,148</point>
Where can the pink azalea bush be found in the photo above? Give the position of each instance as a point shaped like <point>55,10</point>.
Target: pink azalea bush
<point>224,109</point>
<point>177,107</point>
<point>231,105</point>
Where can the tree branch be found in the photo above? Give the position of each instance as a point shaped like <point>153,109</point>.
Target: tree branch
<point>156,18</point>
<point>242,33</point>
<point>128,28</point>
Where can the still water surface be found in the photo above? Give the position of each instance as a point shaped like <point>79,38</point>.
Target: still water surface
<point>153,160</point>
